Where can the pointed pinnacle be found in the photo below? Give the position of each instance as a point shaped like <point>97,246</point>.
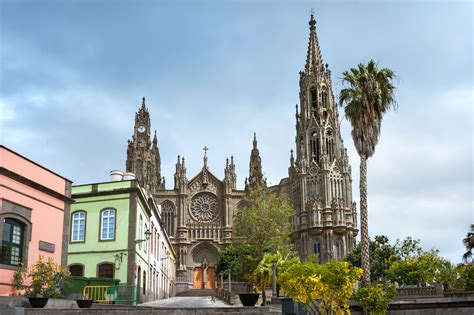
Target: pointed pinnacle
<point>254,140</point>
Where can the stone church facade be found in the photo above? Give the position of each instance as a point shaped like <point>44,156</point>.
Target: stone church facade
<point>198,211</point>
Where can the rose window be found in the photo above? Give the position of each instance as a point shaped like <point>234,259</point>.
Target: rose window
<point>205,207</point>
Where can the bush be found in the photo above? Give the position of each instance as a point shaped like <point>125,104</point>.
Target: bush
<point>375,299</point>
<point>46,279</point>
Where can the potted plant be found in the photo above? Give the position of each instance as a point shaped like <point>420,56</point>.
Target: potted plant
<point>249,298</point>
<point>46,281</point>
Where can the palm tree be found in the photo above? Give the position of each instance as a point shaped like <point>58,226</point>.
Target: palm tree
<point>367,95</point>
<point>468,242</point>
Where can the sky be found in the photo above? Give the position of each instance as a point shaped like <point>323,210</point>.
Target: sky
<point>73,73</point>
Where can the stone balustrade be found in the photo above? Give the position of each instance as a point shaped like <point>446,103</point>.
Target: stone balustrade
<point>199,231</point>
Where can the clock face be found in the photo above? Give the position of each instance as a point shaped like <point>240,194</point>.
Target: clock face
<point>141,128</point>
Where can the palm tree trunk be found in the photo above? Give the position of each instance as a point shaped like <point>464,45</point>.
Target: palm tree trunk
<point>364,224</point>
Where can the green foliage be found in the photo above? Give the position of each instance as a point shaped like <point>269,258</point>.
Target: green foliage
<point>240,259</point>
<point>408,247</point>
<point>367,95</point>
<point>264,222</point>
<point>464,277</point>
<point>18,280</point>
<point>321,288</point>
<point>375,299</point>
<point>468,242</point>
<point>382,255</point>
<point>46,279</point>
<point>261,227</point>
<point>423,269</point>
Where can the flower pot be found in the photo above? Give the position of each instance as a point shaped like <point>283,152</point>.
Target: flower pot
<point>249,299</point>
<point>84,303</point>
<point>38,302</point>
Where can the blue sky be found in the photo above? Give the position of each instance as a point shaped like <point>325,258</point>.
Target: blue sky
<point>72,75</point>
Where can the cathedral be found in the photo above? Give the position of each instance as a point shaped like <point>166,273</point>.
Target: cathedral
<point>198,211</point>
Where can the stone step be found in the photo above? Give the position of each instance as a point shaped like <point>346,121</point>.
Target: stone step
<point>198,292</point>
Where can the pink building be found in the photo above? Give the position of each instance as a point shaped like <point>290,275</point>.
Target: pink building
<point>34,211</point>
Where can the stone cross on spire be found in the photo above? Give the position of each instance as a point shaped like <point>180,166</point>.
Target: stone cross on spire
<point>205,156</point>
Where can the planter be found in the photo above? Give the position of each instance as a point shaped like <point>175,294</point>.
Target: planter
<point>38,302</point>
<point>288,306</point>
<point>249,299</point>
<point>84,303</point>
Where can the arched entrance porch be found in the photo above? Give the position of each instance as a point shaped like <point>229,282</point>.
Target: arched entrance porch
<point>205,258</point>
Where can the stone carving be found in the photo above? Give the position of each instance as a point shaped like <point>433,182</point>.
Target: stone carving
<point>205,207</point>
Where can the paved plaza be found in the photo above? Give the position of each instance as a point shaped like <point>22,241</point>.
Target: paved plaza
<point>188,302</point>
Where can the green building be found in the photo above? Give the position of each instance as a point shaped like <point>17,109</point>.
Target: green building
<point>116,231</point>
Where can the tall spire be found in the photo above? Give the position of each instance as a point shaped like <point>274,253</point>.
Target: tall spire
<point>314,60</point>
<point>143,102</point>
<point>255,166</point>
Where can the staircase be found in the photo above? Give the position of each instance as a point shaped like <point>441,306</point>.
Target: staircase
<point>198,292</point>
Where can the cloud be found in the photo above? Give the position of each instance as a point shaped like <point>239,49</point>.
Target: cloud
<point>420,179</point>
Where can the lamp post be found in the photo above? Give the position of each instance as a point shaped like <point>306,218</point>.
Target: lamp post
<point>274,287</point>
<point>147,237</point>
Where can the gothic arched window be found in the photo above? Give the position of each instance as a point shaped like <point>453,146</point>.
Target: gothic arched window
<point>324,98</point>
<point>315,151</point>
<point>167,211</point>
<point>314,99</point>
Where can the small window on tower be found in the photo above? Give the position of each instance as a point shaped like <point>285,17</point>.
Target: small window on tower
<point>324,97</point>
<point>314,99</point>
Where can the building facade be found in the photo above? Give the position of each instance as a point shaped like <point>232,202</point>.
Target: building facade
<point>198,212</point>
<point>34,211</point>
<point>320,183</point>
<point>117,232</point>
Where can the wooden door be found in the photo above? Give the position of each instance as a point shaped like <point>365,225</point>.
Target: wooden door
<point>211,278</point>
<point>197,278</point>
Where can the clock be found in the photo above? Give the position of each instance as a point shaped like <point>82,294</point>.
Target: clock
<point>141,128</point>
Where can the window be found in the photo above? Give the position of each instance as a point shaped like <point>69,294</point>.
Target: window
<point>140,230</point>
<point>168,216</point>
<point>105,270</point>
<point>107,225</point>
<point>76,270</point>
<point>78,226</point>
<point>12,242</point>
<point>144,282</point>
<point>146,243</point>
<point>317,248</point>
<point>314,99</point>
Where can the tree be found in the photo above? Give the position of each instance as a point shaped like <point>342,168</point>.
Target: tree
<point>382,255</point>
<point>263,223</point>
<point>240,260</point>
<point>263,275</point>
<point>320,288</point>
<point>425,269</point>
<point>367,95</point>
<point>468,242</point>
<point>464,277</point>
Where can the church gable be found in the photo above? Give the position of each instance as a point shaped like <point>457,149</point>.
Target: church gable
<point>205,181</point>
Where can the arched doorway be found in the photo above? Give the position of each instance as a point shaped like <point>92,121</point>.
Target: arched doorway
<point>205,258</point>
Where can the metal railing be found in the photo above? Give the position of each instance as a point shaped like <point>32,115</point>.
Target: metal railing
<point>111,294</point>
<point>96,293</point>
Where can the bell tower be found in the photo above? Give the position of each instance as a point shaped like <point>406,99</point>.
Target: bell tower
<point>320,178</point>
<point>143,155</point>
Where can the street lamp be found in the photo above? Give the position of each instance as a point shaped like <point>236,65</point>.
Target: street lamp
<point>274,287</point>
<point>147,237</point>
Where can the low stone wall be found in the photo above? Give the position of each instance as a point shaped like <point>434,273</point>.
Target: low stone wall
<point>144,311</point>
<point>427,306</point>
